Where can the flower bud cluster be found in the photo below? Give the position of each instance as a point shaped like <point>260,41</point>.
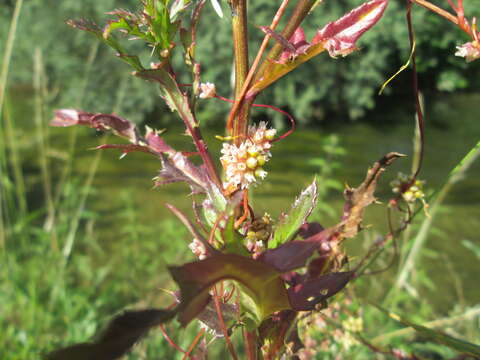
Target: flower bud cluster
<point>410,193</point>
<point>243,164</point>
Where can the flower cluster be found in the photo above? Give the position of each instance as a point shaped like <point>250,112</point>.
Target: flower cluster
<point>410,192</point>
<point>243,164</point>
<point>207,90</point>
<point>198,249</point>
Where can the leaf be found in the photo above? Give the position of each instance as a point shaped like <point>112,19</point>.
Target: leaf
<point>290,223</point>
<point>177,168</point>
<point>262,283</point>
<point>217,8</point>
<point>295,254</point>
<point>109,39</point>
<point>172,94</point>
<point>306,295</point>
<point>357,199</point>
<point>121,334</point>
<point>299,46</point>
<point>120,126</point>
<point>462,346</point>
<point>340,36</point>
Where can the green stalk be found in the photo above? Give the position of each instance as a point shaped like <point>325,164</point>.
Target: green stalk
<point>470,314</point>
<point>38,84</point>
<point>7,55</point>
<point>240,46</point>
<point>15,161</point>
<point>455,175</point>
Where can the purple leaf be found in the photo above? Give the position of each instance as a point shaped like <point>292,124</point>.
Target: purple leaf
<point>262,282</point>
<point>118,338</point>
<point>120,126</point>
<point>309,229</point>
<point>340,36</point>
<point>70,117</point>
<point>156,143</point>
<point>305,296</point>
<point>177,168</point>
<point>126,148</point>
<point>298,46</point>
<point>295,254</point>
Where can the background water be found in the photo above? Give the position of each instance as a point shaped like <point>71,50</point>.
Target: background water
<point>451,133</point>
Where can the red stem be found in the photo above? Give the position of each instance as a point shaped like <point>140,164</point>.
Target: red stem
<point>251,340</point>
<point>194,343</point>
<point>169,340</point>
<point>216,301</point>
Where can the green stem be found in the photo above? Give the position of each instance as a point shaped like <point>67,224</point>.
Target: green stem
<point>7,55</point>
<point>240,41</point>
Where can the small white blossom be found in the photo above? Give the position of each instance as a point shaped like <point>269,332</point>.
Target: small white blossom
<point>207,90</point>
<point>198,249</point>
<point>470,51</point>
<point>243,163</point>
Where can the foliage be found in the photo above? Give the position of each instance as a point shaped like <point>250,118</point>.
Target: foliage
<point>352,82</point>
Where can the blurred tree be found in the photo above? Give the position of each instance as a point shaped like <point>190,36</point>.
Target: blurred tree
<point>345,87</point>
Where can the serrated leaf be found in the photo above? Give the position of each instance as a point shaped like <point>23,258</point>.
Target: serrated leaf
<point>109,39</point>
<point>298,214</point>
<point>357,199</point>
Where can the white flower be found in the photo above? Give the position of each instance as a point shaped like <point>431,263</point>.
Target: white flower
<point>198,249</point>
<point>207,90</point>
<point>470,51</point>
<point>243,163</point>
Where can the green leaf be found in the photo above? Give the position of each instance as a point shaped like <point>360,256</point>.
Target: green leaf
<point>108,39</point>
<point>233,240</point>
<point>298,214</point>
<point>261,282</point>
<point>459,345</point>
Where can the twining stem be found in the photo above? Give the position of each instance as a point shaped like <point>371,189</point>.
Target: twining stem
<point>240,46</point>
<point>239,97</point>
